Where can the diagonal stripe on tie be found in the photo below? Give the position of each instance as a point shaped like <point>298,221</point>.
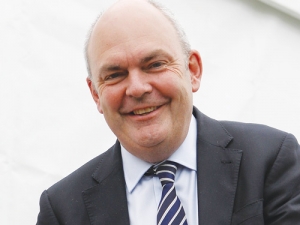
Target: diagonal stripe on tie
<point>170,210</point>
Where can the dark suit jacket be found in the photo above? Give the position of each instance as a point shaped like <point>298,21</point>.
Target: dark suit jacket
<point>247,174</point>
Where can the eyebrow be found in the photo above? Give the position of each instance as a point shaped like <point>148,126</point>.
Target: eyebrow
<point>154,54</point>
<point>110,68</point>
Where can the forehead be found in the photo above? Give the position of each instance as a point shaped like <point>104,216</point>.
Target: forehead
<point>131,27</point>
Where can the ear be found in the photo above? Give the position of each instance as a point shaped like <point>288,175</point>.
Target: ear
<point>94,93</point>
<point>195,68</point>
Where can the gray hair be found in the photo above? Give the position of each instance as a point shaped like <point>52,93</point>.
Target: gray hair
<point>167,13</point>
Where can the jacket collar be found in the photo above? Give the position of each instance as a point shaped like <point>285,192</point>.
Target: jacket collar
<point>218,169</point>
<point>106,202</point>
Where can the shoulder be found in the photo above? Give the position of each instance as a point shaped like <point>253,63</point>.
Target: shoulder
<point>263,146</point>
<point>255,140</point>
<point>240,135</point>
<point>63,200</point>
<point>258,138</point>
<point>258,135</point>
<point>251,131</point>
<point>80,179</point>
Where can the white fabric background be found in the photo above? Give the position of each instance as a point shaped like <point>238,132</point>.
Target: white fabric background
<point>49,125</point>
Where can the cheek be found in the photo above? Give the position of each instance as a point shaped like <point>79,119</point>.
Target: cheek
<point>174,85</point>
<point>111,98</point>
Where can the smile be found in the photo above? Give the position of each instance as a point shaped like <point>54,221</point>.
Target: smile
<point>144,111</point>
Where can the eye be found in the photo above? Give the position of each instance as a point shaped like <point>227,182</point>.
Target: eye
<point>115,76</point>
<point>156,65</point>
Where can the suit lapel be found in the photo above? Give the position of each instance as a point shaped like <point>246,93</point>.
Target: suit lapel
<point>106,203</point>
<point>218,169</point>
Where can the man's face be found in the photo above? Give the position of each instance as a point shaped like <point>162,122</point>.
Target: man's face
<point>142,82</point>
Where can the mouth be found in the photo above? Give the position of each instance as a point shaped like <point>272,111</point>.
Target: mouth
<point>144,111</point>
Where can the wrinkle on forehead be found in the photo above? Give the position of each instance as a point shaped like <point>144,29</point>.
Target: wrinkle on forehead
<point>110,65</point>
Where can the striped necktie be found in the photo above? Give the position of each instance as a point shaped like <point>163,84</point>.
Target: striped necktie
<point>170,210</point>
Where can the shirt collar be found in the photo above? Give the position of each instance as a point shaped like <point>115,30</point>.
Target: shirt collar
<point>135,168</point>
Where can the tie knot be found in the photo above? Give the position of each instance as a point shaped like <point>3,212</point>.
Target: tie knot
<point>166,172</point>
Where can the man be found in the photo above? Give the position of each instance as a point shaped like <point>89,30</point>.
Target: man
<point>142,74</point>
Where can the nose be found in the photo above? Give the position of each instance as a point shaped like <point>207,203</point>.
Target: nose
<point>138,84</point>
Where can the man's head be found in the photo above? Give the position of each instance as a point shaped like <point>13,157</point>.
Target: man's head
<point>142,78</point>
<point>180,32</point>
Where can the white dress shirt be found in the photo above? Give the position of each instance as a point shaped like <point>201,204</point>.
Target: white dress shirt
<point>144,192</point>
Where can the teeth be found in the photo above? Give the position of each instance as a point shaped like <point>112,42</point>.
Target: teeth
<point>143,111</point>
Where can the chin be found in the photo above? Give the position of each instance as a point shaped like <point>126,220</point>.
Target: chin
<point>150,139</point>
